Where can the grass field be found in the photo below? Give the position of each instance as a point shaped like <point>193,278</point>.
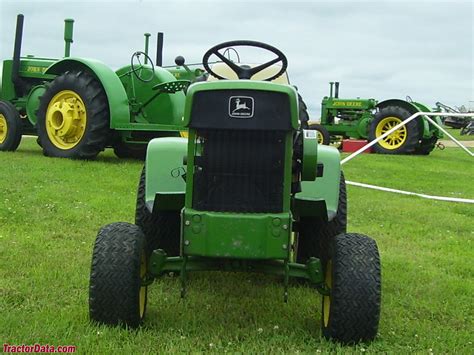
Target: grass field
<point>51,209</point>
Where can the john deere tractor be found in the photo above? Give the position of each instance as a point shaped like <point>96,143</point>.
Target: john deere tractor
<point>249,190</point>
<point>369,119</point>
<point>78,106</point>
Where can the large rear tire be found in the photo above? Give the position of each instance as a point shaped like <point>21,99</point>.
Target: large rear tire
<point>316,234</point>
<point>403,141</point>
<point>323,134</point>
<point>73,117</point>
<point>351,312</point>
<point>119,263</point>
<point>161,229</point>
<point>10,127</point>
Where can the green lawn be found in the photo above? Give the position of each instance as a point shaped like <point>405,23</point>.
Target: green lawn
<point>51,209</point>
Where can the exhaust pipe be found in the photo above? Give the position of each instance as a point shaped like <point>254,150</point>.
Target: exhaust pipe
<point>159,49</point>
<point>331,84</point>
<point>336,93</point>
<point>17,81</point>
<point>68,26</point>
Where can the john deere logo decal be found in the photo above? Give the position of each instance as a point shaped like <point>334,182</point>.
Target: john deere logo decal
<point>241,106</point>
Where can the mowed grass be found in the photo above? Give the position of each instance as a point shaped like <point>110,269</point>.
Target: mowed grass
<point>51,210</point>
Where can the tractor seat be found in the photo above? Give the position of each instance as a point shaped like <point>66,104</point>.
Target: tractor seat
<point>224,70</point>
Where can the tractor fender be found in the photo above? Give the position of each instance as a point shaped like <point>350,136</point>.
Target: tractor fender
<point>321,196</point>
<point>412,107</point>
<point>114,90</point>
<point>165,181</point>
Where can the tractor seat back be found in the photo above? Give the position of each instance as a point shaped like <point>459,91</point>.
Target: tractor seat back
<point>225,71</point>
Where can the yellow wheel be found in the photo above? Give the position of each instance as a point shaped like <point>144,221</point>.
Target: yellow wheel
<point>10,127</point>
<point>73,117</point>
<point>327,298</point>
<point>322,133</point>
<point>394,140</point>
<point>3,128</point>
<point>404,140</point>
<point>66,119</point>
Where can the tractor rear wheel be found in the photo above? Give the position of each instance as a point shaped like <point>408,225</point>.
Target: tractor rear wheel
<point>402,141</point>
<point>323,134</point>
<point>316,234</point>
<point>303,114</point>
<point>161,229</point>
<point>10,127</point>
<point>132,151</point>
<point>119,263</point>
<point>73,117</point>
<point>351,312</point>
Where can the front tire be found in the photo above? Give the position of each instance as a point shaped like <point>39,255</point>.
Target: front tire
<point>73,117</point>
<point>10,127</point>
<point>119,263</point>
<point>351,312</point>
<point>402,141</point>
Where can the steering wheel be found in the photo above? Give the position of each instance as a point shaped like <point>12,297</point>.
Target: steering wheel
<point>137,69</point>
<point>244,72</point>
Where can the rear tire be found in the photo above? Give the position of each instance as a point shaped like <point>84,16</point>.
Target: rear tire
<point>161,229</point>
<point>403,141</point>
<point>351,312</point>
<point>119,263</point>
<point>10,127</point>
<point>316,234</point>
<point>73,117</point>
<point>323,134</point>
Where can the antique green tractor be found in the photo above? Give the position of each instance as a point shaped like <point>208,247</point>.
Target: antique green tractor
<point>78,106</point>
<point>367,119</point>
<point>248,190</point>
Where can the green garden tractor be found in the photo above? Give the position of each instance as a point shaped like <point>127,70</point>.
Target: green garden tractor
<point>367,119</point>
<point>248,190</point>
<point>78,106</point>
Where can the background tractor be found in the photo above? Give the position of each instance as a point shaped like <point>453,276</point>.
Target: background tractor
<point>369,119</point>
<point>249,190</point>
<point>80,106</point>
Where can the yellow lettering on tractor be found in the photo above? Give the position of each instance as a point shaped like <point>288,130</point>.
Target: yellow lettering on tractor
<point>30,69</point>
<point>347,104</point>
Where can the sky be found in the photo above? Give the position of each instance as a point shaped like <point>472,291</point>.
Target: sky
<point>377,49</point>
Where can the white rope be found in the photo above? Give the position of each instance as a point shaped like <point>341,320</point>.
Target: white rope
<point>439,198</point>
<point>412,117</point>
<point>370,144</point>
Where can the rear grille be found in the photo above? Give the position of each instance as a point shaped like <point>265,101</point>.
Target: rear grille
<point>239,171</point>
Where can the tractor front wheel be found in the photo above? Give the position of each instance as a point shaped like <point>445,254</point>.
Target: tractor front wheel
<point>403,141</point>
<point>119,264</point>
<point>323,134</point>
<point>10,127</point>
<point>351,312</point>
<point>73,117</point>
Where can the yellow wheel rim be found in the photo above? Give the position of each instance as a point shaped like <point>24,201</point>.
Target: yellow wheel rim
<point>394,140</point>
<point>142,296</point>
<point>3,128</point>
<point>327,299</point>
<point>66,119</point>
<point>320,137</point>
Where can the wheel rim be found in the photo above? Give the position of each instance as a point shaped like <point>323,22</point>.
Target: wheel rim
<point>394,140</point>
<point>66,119</point>
<point>142,296</point>
<point>327,299</point>
<point>3,128</point>
<point>319,137</point>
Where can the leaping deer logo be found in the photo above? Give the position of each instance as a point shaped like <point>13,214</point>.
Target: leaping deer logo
<point>239,106</point>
